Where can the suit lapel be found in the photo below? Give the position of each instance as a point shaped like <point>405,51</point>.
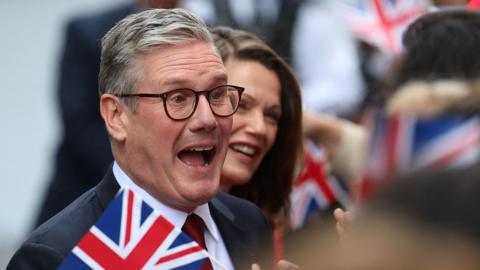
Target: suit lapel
<point>232,233</point>
<point>107,189</point>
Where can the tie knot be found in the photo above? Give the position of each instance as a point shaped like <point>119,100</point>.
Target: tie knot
<point>194,227</point>
<point>195,221</point>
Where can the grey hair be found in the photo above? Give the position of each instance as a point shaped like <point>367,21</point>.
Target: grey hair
<point>140,33</point>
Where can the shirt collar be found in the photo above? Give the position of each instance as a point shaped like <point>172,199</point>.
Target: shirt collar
<point>176,217</point>
<point>203,211</point>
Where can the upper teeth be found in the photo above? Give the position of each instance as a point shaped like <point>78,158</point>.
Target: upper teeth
<point>204,148</point>
<point>244,149</point>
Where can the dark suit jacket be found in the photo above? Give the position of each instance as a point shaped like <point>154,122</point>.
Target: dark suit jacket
<point>244,229</point>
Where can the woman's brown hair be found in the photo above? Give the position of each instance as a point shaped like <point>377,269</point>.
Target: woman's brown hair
<point>271,183</point>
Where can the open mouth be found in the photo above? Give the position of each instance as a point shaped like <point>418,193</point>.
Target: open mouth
<point>197,156</point>
<point>243,149</point>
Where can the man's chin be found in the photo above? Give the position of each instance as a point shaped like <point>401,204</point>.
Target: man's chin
<point>190,202</point>
<point>202,193</point>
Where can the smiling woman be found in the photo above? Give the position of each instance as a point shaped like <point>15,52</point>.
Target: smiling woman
<point>256,123</point>
<point>266,144</point>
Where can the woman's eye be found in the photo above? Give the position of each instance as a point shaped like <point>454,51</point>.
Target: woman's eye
<point>243,105</point>
<point>273,117</point>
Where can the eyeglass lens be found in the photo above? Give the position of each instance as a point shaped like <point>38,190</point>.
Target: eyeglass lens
<point>180,104</point>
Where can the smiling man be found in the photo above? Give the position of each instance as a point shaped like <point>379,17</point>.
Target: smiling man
<point>168,110</point>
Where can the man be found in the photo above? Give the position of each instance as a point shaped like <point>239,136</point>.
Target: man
<point>168,114</point>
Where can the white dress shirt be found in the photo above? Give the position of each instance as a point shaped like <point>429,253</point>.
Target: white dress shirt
<point>215,244</point>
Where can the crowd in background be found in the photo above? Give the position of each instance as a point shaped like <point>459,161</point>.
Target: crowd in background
<point>380,121</point>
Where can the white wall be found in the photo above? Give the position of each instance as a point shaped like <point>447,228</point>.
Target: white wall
<point>31,34</point>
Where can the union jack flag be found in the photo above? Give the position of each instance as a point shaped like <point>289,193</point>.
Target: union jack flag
<point>381,22</point>
<point>401,144</point>
<point>131,235</point>
<point>315,191</point>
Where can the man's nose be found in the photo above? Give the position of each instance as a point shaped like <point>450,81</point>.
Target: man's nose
<point>203,117</point>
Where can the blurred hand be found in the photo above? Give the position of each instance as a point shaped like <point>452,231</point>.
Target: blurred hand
<point>323,129</point>
<point>344,219</point>
<point>286,265</point>
<point>256,267</point>
<point>281,265</point>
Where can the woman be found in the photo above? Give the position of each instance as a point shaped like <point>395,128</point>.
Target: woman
<point>266,144</point>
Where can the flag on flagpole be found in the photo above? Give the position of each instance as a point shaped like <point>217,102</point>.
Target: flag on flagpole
<point>381,22</point>
<point>401,144</point>
<point>131,235</point>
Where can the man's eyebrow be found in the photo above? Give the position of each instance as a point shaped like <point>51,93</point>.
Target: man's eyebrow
<point>221,78</point>
<point>173,82</point>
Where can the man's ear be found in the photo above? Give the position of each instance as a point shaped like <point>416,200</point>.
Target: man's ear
<point>114,116</point>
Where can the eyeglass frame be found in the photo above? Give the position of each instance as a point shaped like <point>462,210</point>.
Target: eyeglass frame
<point>206,93</point>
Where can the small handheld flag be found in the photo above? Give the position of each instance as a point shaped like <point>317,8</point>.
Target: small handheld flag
<point>132,235</point>
<point>315,191</point>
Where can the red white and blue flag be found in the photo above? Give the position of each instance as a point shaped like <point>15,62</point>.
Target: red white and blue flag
<point>381,22</point>
<point>131,235</point>
<point>401,144</point>
<point>315,191</point>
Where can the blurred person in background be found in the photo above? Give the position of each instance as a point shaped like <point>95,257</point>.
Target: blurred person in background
<point>83,155</point>
<point>326,59</point>
<point>425,61</point>
<point>457,30</point>
<point>417,101</point>
<point>424,220</point>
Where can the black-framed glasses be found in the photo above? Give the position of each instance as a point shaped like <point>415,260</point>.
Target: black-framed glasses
<point>180,104</point>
